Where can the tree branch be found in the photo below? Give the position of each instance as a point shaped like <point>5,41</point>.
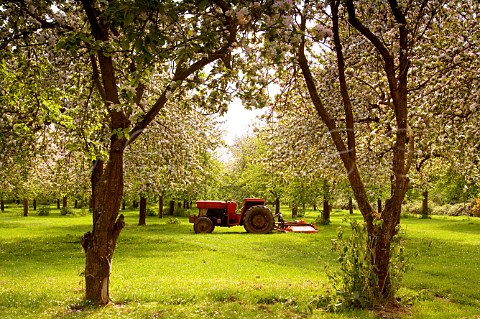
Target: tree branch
<point>387,57</point>
<point>96,78</point>
<point>343,83</point>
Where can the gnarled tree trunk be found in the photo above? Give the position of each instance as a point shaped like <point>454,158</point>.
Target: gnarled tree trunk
<point>99,244</point>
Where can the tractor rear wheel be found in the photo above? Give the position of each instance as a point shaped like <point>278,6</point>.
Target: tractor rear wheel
<point>259,220</point>
<point>203,225</point>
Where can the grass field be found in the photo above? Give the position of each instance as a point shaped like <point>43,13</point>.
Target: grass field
<point>166,271</point>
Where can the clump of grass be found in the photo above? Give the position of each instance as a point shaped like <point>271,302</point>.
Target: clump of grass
<point>173,221</point>
<point>43,211</point>
<point>67,211</point>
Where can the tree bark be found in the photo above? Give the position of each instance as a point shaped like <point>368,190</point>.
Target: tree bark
<point>143,211</point>
<point>350,205</point>
<point>171,209</point>
<point>123,205</point>
<point>25,207</point>
<point>2,205</point>
<point>277,205</point>
<point>58,203</point>
<point>65,202</point>
<point>379,205</point>
<point>34,204</point>
<point>160,206</point>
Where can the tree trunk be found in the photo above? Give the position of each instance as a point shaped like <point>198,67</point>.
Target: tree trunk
<point>34,204</point>
<point>379,205</point>
<point>326,212</point>
<point>171,209</point>
<point>277,205</point>
<point>99,244</point>
<point>425,204</point>
<point>294,210</point>
<point>350,205</point>
<point>143,211</point>
<point>123,205</point>
<point>160,206</point>
<point>25,207</point>
<point>64,201</point>
<point>2,205</point>
<point>58,203</point>
<point>76,203</point>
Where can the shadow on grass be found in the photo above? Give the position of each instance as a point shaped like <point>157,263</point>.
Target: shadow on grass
<point>467,226</point>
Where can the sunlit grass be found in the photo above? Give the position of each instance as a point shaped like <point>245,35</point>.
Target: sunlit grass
<point>167,271</point>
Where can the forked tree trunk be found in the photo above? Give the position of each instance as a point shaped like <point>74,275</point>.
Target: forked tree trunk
<point>99,244</point>
<point>25,207</point>
<point>143,211</point>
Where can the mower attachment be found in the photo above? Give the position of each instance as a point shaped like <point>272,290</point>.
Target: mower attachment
<point>297,226</point>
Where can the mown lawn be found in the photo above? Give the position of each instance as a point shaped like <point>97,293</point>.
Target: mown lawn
<point>167,271</point>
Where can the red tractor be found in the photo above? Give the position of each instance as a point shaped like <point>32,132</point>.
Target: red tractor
<point>254,216</point>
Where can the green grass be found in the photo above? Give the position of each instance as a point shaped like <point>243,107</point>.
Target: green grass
<point>166,271</point>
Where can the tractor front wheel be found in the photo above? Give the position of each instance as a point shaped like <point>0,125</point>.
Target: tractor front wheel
<point>259,220</point>
<point>203,225</point>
